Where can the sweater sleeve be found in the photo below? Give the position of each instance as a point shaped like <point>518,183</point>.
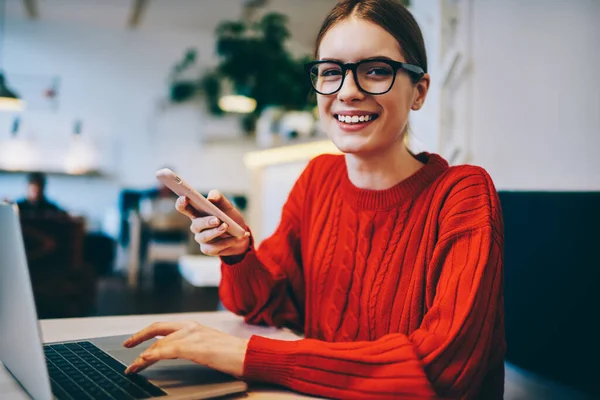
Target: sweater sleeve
<point>448,355</point>
<point>267,285</point>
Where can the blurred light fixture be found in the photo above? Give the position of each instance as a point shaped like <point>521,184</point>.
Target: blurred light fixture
<point>9,100</point>
<point>16,154</point>
<point>289,154</point>
<point>235,101</point>
<point>81,157</point>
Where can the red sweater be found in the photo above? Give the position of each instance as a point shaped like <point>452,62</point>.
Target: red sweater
<point>398,291</point>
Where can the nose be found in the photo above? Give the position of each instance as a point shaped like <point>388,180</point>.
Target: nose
<point>350,91</point>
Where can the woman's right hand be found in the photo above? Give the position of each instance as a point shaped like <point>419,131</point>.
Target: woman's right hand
<point>211,233</point>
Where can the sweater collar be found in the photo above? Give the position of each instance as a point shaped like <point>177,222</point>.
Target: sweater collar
<point>405,189</point>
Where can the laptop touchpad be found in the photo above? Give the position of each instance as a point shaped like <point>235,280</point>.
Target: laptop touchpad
<point>173,373</point>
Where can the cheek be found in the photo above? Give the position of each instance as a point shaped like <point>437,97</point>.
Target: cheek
<point>397,104</point>
<point>324,105</point>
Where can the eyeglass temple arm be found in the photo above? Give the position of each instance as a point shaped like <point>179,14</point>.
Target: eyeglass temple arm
<point>413,68</point>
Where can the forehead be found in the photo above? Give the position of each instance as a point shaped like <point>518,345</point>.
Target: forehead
<point>355,39</point>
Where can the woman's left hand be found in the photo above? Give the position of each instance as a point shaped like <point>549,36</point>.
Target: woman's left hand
<point>191,341</point>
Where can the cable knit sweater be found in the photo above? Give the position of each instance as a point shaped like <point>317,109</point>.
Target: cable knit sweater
<point>398,291</point>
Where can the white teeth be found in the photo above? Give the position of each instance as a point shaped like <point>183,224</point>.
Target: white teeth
<point>354,119</point>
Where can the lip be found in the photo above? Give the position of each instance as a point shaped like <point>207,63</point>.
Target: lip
<point>354,112</point>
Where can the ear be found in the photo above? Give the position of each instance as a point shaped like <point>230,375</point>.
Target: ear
<point>420,92</point>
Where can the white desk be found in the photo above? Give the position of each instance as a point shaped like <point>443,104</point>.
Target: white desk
<point>82,328</point>
<point>519,384</point>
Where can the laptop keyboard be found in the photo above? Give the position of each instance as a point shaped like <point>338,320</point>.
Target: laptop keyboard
<point>81,370</point>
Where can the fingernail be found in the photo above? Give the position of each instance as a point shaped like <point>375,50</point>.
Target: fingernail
<point>223,226</point>
<point>127,342</point>
<point>129,369</point>
<point>214,221</point>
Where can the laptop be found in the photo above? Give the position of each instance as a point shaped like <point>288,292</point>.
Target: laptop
<point>84,369</point>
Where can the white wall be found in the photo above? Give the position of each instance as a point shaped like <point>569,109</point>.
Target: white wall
<point>537,93</point>
<point>424,124</point>
<point>276,182</point>
<point>115,81</point>
<point>536,123</point>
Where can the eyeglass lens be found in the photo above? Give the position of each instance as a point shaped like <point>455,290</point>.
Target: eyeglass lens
<point>373,77</point>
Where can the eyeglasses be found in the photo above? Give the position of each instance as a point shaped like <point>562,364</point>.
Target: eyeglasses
<point>372,76</point>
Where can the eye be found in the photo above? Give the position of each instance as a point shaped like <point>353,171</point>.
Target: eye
<point>379,71</point>
<point>331,72</point>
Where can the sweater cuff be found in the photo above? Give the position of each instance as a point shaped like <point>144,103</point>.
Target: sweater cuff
<point>233,260</point>
<point>269,360</point>
<point>238,272</point>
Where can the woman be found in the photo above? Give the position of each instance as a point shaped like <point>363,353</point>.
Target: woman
<point>390,263</point>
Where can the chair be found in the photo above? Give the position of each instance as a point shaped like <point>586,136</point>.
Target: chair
<point>155,241</point>
<point>64,285</point>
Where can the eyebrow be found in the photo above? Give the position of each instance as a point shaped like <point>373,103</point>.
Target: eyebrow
<point>364,59</point>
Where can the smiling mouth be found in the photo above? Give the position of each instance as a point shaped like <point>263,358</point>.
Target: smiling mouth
<point>355,119</point>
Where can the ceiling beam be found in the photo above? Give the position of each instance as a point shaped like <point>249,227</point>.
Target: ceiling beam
<point>250,8</point>
<point>31,8</point>
<point>139,6</point>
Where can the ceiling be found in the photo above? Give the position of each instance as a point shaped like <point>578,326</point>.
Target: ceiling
<point>305,16</point>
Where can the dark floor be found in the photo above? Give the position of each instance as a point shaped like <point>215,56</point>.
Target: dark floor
<point>168,294</point>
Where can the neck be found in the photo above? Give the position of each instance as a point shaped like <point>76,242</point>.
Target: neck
<point>382,170</point>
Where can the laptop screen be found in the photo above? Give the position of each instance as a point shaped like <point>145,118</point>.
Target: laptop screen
<point>20,343</point>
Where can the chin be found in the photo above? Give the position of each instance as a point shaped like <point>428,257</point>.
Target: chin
<point>351,144</point>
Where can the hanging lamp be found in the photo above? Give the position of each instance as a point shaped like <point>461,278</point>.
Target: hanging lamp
<point>9,100</point>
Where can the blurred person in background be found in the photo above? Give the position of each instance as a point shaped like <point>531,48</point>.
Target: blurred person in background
<point>158,214</point>
<point>390,263</point>
<point>36,201</point>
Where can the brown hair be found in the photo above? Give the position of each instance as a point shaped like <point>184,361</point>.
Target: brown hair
<point>37,178</point>
<point>391,15</point>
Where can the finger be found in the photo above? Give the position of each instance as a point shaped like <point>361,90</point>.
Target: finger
<point>138,365</point>
<point>151,331</point>
<point>167,351</point>
<point>203,223</point>
<point>218,248</point>
<point>167,347</point>
<point>173,337</point>
<point>153,355</point>
<point>210,235</point>
<point>217,198</point>
<point>183,206</point>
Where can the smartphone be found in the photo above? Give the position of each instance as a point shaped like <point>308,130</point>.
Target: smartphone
<point>181,188</point>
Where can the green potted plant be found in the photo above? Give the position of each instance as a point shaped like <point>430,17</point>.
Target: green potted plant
<point>255,63</point>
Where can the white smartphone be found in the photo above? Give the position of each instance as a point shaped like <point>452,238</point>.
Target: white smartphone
<point>181,188</point>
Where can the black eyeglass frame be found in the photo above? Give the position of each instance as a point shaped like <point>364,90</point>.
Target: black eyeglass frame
<point>415,72</point>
